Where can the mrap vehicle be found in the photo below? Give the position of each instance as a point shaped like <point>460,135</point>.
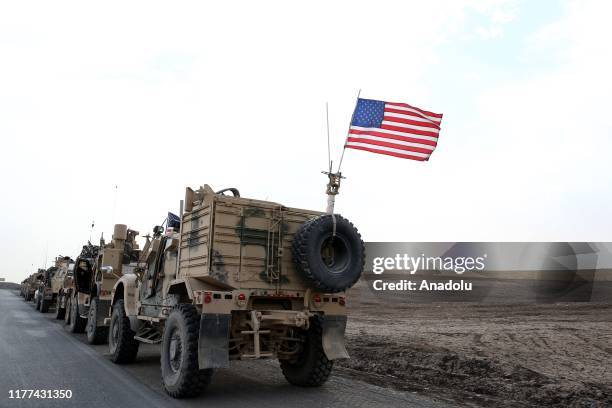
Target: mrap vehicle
<point>233,278</point>
<point>96,270</point>
<point>48,292</point>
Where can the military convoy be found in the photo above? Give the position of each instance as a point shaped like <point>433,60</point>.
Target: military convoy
<point>230,278</point>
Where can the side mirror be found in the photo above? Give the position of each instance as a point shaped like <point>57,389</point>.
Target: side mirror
<point>107,270</point>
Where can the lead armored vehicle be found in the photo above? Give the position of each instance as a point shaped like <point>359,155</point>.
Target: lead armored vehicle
<point>234,278</point>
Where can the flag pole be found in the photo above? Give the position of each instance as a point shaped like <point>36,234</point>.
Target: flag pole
<point>348,132</point>
<point>333,184</point>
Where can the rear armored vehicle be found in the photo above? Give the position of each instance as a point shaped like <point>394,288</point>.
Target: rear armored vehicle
<point>233,278</point>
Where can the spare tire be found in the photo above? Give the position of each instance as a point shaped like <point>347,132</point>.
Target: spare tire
<point>329,252</point>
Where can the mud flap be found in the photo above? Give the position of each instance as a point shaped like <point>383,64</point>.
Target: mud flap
<point>333,337</point>
<point>102,313</point>
<point>213,342</point>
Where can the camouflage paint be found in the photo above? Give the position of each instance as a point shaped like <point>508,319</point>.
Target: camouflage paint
<point>256,236</point>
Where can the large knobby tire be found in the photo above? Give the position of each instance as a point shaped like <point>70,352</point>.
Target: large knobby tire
<point>331,262</point>
<point>181,376</point>
<point>37,301</point>
<point>95,334</point>
<point>44,305</point>
<point>60,312</point>
<point>122,346</point>
<point>311,368</point>
<point>77,323</point>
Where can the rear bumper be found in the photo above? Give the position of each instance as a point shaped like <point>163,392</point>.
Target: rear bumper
<point>215,329</point>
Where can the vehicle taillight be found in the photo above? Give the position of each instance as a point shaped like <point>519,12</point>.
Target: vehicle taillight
<point>241,297</point>
<point>342,301</point>
<point>316,298</point>
<point>207,297</point>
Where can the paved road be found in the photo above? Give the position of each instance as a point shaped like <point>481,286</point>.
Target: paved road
<point>36,352</point>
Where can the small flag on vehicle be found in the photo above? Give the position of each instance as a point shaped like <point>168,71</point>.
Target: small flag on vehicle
<point>174,222</point>
<point>394,129</point>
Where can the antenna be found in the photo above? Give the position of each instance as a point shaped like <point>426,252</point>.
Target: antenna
<point>114,204</point>
<point>46,253</point>
<point>328,147</point>
<point>333,184</point>
<point>91,230</point>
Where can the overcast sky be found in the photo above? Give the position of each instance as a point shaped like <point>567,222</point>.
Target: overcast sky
<point>155,96</point>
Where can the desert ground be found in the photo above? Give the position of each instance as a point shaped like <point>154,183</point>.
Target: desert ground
<point>483,354</point>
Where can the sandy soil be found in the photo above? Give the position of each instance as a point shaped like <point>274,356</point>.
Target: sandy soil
<point>483,355</point>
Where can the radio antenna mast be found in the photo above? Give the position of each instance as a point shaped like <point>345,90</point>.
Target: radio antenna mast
<point>91,230</point>
<point>329,161</point>
<point>333,185</point>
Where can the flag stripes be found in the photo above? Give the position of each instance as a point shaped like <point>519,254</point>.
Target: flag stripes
<point>394,129</point>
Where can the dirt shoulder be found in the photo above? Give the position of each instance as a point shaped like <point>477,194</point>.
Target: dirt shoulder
<point>483,355</point>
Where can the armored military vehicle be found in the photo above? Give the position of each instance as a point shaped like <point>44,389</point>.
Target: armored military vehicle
<point>31,285</point>
<point>236,279</point>
<point>63,296</point>
<point>36,280</point>
<point>22,288</point>
<point>28,292</point>
<point>48,291</point>
<point>95,272</point>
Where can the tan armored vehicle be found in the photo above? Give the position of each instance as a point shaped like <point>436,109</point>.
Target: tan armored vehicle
<point>95,272</point>
<point>28,292</point>
<point>47,293</point>
<point>35,281</point>
<point>239,279</point>
<point>23,287</point>
<point>64,296</point>
<point>63,281</point>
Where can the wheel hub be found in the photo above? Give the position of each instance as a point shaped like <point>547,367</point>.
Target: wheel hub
<point>115,333</point>
<point>91,321</point>
<point>175,351</point>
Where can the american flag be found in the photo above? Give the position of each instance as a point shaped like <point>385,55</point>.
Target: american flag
<point>394,129</point>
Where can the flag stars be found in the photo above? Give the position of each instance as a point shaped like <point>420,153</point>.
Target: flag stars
<point>369,113</point>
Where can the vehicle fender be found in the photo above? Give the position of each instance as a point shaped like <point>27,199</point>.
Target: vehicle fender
<point>334,346</point>
<point>182,288</point>
<point>126,288</point>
